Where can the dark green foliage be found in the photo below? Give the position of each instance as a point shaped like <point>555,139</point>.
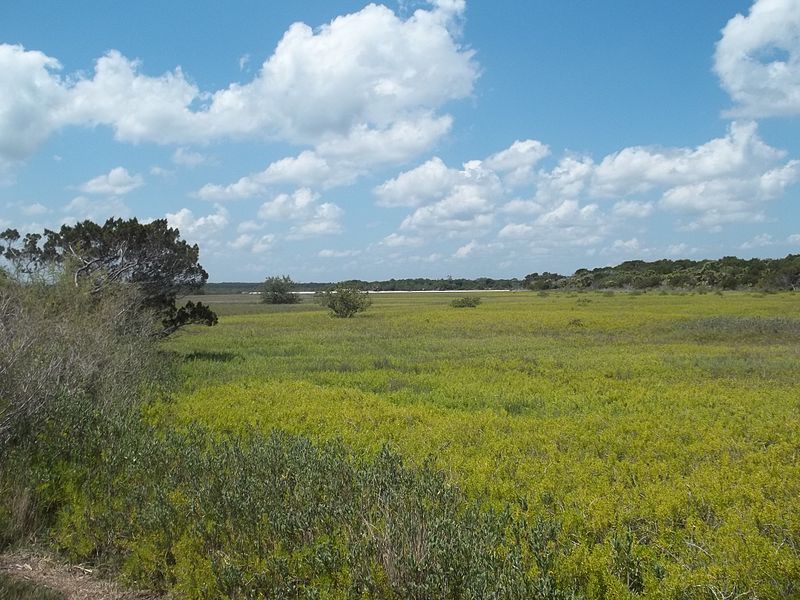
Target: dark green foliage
<point>466,302</point>
<point>745,330</point>
<point>276,516</point>
<point>344,301</point>
<point>727,273</point>
<point>627,565</point>
<point>150,256</point>
<point>278,290</point>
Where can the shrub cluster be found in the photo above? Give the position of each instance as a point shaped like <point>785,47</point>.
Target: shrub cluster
<point>466,302</point>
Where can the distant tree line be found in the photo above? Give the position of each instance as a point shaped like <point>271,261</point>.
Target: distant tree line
<point>388,285</point>
<point>728,273</point>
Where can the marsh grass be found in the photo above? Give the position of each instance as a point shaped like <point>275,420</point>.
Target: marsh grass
<point>15,589</point>
<point>672,416</point>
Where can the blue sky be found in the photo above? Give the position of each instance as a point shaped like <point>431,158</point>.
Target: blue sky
<point>333,139</point>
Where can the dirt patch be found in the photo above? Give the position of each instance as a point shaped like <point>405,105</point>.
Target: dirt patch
<point>76,582</point>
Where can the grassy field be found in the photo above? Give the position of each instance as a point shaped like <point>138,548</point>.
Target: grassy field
<point>661,430</point>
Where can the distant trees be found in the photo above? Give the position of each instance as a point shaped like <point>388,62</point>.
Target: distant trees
<point>344,301</point>
<point>149,257</point>
<point>278,290</point>
<point>727,273</point>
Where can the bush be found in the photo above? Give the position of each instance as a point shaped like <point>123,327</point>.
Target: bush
<point>278,290</point>
<point>466,302</point>
<point>61,343</point>
<point>344,301</point>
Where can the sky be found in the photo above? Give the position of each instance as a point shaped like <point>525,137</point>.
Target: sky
<point>332,139</point>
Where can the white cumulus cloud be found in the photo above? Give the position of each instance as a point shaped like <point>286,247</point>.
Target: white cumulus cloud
<point>297,205</point>
<point>758,59</point>
<point>367,84</point>
<point>117,182</point>
<point>199,229</point>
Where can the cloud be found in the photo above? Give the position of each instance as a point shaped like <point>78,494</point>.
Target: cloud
<point>631,245</point>
<point>33,210</point>
<point>397,142</point>
<point>466,250</point>
<point>516,230</point>
<point>199,229</point>
<point>242,241</point>
<point>793,239</point>
<point>630,209</point>
<point>81,208</point>
<point>429,181</point>
<point>433,180</point>
<point>306,169</point>
<point>117,182</point>
<point>289,206</point>
<point>263,243</point>
<point>455,201</point>
<point>467,207</point>
<point>638,169</point>
<point>759,241</point>
<point>581,201</point>
<point>33,111</point>
<point>254,244</point>
<point>324,221</point>
<point>307,216</point>
<point>247,226</point>
<point>395,240</point>
<point>680,249</point>
<point>160,171</point>
<point>516,162</point>
<point>186,158</point>
<point>730,200</point>
<point>758,60</point>
<point>370,80</point>
<point>338,253</point>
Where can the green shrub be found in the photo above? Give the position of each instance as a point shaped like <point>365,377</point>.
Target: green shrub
<point>466,302</point>
<point>278,290</point>
<point>344,301</point>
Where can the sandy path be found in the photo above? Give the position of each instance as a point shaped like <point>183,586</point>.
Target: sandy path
<point>75,581</point>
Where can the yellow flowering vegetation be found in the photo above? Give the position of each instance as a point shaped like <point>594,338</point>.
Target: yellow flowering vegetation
<point>661,431</point>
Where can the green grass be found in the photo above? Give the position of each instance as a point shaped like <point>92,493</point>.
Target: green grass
<point>16,589</point>
<point>673,419</point>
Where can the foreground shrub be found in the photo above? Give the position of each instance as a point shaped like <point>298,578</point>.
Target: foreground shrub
<point>466,302</point>
<point>60,343</point>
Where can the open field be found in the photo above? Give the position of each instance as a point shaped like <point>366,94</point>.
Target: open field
<point>658,429</point>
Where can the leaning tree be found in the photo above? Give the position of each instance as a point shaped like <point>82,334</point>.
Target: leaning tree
<point>150,256</point>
